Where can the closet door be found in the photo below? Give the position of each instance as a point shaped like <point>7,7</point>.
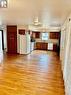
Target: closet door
<point>12,39</point>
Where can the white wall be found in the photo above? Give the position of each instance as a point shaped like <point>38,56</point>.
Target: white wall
<point>65,54</point>
<point>67,67</point>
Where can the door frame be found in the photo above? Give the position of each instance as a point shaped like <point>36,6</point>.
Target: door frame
<point>2,39</point>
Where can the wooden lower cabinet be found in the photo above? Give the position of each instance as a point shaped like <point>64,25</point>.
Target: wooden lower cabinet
<point>44,46</point>
<point>41,46</point>
<point>55,47</point>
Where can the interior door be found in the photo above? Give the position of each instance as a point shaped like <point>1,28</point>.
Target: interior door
<point>12,39</point>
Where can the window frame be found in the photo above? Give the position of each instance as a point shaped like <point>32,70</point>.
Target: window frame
<point>42,34</point>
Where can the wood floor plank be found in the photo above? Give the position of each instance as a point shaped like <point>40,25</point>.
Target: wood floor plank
<point>38,73</point>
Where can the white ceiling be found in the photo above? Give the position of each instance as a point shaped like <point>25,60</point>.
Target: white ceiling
<point>49,12</point>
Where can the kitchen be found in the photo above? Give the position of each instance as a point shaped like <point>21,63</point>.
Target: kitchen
<point>25,41</point>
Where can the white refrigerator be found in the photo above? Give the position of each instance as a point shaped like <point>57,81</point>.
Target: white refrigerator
<point>25,44</point>
<point>28,43</point>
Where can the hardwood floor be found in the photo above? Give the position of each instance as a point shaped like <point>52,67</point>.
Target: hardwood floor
<point>38,73</point>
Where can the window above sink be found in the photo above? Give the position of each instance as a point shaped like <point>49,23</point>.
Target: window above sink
<point>44,36</point>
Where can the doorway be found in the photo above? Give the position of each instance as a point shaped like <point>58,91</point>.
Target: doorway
<point>1,40</point>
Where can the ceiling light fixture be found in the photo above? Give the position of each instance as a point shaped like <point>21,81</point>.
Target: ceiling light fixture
<point>3,3</point>
<point>36,21</point>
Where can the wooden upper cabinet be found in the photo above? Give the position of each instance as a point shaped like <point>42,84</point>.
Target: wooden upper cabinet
<point>21,31</point>
<point>54,35</point>
<point>36,34</point>
<point>12,39</point>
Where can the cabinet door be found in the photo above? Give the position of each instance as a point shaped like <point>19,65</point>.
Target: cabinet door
<point>54,35</point>
<point>12,39</point>
<point>55,47</point>
<point>38,46</point>
<point>37,34</point>
<point>41,46</point>
<point>44,46</point>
